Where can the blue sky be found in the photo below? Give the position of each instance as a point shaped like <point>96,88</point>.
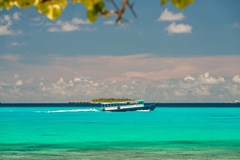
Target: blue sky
<point>163,55</point>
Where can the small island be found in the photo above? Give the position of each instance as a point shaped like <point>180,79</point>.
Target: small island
<point>110,100</point>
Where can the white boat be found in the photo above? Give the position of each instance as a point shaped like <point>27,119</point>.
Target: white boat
<point>127,106</point>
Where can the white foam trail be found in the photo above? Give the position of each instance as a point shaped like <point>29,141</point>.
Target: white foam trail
<point>147,110</point>
<point>72,110</point>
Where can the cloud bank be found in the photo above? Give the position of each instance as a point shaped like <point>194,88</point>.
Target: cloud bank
<point>68,26</point>
<point>80,78</point>
<point>6,23</point>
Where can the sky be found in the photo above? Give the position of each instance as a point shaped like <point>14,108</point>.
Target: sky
<point>163,55</point>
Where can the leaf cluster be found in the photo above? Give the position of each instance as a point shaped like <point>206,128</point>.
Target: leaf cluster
<point>180,4</point>
<point>53,9</point>
<point>94,8</point>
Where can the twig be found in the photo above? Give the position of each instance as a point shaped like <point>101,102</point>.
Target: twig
<point>114,4</point>
<point>120,11</point>
<point>130,6</point>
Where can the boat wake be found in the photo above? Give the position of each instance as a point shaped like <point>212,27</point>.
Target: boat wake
<point>147,110</point>
<point>72,110</point>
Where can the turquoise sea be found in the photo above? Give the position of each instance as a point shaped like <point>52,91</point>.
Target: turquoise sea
<point>83,132</point>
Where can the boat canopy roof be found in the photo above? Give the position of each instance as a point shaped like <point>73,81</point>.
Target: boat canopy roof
<point>125,102</point>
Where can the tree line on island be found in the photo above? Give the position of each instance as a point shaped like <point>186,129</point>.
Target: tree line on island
<point>109,100</point>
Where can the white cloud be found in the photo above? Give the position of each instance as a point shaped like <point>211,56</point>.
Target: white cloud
<point>30,80</point>
<point>170,16</point>
<point>95,84</point>
<point>43,87</point>
<point>61,87</point>
<point>179,93</point>
<point>76,79</point>
<point>16,44</point>
<point>234,89</point>
<point>16,16</point>
<point>179,28</point>
<point>61,82</point>
<point>79,21</point>
<point>10,57</point>
<point>206,78</point>
<point>16,76</point>
<point>236,79</point>
<point>19,83</point>
<point>70,83</point>
<point>6,23</point>
<point>201,91</point>
<point>64,27</point>
<point>236,25</point>
<point>53,29</point>
<point>109,22</point>
<point>189,78</point>
<point>68,26</point>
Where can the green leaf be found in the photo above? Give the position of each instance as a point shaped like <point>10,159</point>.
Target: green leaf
<point>181,4</point>
<point>52,9</point>
<point>163,2</point>
<point>92,15</point>
<point>7,4</point>
<point>99,6</point>
<point>25,3</point>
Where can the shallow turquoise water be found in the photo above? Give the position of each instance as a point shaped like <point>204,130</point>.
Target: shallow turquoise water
<point>87,133</point>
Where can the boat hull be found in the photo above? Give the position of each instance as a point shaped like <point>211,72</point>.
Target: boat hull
<point>119,109</point>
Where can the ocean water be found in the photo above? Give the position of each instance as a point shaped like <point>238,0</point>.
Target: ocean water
<point>69,132</point>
